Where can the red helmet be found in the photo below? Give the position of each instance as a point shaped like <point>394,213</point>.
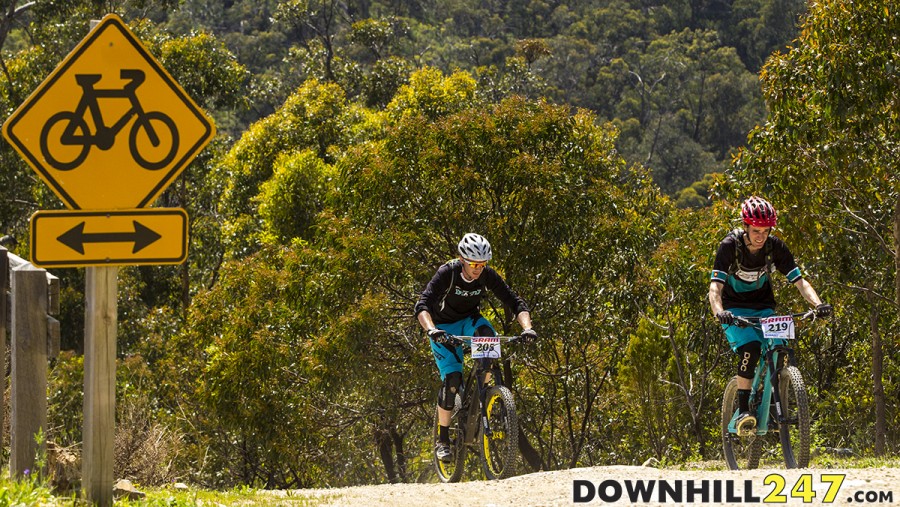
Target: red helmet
<point>758,212</point>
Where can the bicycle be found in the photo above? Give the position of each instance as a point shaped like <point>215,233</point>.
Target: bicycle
<point>777,389</point>
<point>75,130</point>
<point>484,416</point>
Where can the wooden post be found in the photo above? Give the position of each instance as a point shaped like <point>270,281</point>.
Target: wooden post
<point>4,320</point>
<point>28,406</point>
<point>99,384</point>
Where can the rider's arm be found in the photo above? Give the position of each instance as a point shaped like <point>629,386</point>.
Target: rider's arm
<point>524,319</point>
<point>430,296</point>
<point>715,297</point>
<point>807,291</point>
<point>425,320</point>
<point>496,284</point>
<point>721,266</point>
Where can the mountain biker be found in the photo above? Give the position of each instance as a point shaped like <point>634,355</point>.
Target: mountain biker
<point>741,286</point>
<point>450,305</point>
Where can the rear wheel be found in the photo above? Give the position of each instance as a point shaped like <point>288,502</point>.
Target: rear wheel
<point>740,452</point>
<point>65,141</point>
<point>451,471</point>
<point>500,448</point>
<point>795,438</point>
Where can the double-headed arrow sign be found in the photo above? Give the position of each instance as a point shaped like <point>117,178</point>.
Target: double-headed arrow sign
<point>113,237</point>
<point>142,236</point>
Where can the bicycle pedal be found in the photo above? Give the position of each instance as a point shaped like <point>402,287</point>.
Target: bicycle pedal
<point>746,426</point>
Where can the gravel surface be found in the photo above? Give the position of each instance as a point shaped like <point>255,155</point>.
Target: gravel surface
<point>872,486</point>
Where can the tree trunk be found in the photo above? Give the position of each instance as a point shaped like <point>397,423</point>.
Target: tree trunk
<point>877,369</point>
<point>401,454</point>
<point>897,252</point>
<point>385,451</point>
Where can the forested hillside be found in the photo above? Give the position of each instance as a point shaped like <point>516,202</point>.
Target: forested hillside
<point>602,148</point>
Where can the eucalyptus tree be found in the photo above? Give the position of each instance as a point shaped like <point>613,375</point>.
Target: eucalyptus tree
<point>333,293</point>
<point>677,361</point>
<point>566,216</point>
<point>686,101</point>
<point>829,153</point>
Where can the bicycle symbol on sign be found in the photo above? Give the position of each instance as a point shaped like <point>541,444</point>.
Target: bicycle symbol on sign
<point>152,141</point>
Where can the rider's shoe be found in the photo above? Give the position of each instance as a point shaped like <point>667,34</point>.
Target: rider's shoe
<point>442,451</point>
<point>745,424</point>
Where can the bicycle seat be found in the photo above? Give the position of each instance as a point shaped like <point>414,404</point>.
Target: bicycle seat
<point>87,79</point>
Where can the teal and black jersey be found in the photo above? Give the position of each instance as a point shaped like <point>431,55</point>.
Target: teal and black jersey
<point>746,276</point>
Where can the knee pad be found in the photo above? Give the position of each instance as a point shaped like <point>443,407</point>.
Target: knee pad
<point>748,357</point>
<point>449,389</point>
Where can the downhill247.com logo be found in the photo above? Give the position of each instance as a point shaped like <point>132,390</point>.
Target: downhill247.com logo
<point>776,489</point>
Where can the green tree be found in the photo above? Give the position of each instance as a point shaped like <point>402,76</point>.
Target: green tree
<point>693,101</point>
<point>492,169</point>
<point>829,150</point>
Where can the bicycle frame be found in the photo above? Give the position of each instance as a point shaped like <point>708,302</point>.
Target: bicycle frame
<point>766,376</point>
<point>476,384</point>
<point>483,397</point>
<point>105,134</point>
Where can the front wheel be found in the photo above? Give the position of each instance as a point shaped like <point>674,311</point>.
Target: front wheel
<point>451,471</point>
<point>740,452</point>
<point>795,429</point>
<point>153,140</point>
<point>499,448</point>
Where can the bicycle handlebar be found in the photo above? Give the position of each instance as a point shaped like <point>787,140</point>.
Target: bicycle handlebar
<point>754,321</point>
<point>461,340</point>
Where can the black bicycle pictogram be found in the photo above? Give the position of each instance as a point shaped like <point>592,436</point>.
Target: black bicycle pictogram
<point>152,126</point>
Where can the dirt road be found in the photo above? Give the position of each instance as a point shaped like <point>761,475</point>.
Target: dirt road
<point>633,485</point>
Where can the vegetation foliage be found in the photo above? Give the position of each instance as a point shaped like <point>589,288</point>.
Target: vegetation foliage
<point>603,150</point>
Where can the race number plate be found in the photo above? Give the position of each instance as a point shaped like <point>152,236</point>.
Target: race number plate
<point>485,347</point>
<point>780,327</point>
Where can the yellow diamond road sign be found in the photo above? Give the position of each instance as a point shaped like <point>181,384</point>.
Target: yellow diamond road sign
<point>109,128</point>
<point>74,238</point>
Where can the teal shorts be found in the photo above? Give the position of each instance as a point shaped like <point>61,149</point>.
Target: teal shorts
<point>739,336</point>
<point>449,358</point>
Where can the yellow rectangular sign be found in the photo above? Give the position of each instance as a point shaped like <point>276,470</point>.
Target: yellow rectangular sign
<point>147,236</point>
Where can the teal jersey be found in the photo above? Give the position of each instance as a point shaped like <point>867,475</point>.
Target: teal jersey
<point>747,277</point>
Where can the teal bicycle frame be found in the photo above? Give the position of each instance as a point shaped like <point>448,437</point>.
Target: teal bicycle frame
<point>767,371</point>
<point>778,399</point>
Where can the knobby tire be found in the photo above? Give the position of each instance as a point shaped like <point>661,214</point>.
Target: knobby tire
<point>451,471</point>
<point>500,449</point>
<point>795,436</point>
<point>741,453</point>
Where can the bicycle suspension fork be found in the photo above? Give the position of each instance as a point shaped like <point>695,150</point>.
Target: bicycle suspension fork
<point>777,359</point>
<point>487,366</point>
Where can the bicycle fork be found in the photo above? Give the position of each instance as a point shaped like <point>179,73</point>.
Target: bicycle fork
<point>776,360</point>
<point>486,369</point>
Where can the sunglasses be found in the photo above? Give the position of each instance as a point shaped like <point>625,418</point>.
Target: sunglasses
<point>474,265</point>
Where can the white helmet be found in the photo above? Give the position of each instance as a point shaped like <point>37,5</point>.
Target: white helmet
<point>474,247</point>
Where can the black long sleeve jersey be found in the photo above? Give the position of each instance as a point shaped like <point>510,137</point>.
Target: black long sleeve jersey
<point>449,298</point>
